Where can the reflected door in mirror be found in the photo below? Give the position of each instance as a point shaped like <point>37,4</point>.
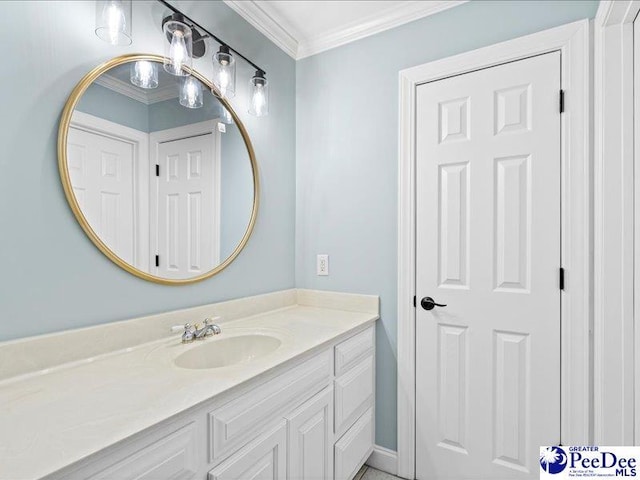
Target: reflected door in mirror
<point>188,205</point>
<point>101,170</point>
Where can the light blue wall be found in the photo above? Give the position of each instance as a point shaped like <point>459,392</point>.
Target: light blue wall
<point>346,154</point>
<point>53,278</point>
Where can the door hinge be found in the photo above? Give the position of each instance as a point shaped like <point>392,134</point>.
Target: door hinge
<point>414,301</point>
<point>157,260</point>
<point>561,101</point>
<point>157,170</point>
<point>561,281</point>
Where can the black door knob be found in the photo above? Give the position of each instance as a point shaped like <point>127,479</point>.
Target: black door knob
<point>429,303</point>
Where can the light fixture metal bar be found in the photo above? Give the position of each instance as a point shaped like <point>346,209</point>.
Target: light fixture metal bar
<point>214,37</point>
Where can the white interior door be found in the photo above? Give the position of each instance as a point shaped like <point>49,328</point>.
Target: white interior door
<point>187,207</point>
<point>488,246</point>
<point>101,171</point>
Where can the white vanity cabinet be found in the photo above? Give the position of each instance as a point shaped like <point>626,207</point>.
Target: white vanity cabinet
<point>309,419</point>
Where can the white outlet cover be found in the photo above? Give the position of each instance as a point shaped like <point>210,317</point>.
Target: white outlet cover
<point>322,265</point>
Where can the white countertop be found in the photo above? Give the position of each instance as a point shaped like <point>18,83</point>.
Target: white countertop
<point>53,418</point>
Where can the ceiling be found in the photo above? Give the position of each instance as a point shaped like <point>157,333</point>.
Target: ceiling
<point>304,28</point>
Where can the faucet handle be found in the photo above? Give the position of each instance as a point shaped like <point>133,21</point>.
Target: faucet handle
<point>189,335</point>
<point>215,329</point>
<point>212,328</point>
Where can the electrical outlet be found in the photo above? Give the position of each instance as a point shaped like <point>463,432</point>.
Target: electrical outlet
<point>322,264</point>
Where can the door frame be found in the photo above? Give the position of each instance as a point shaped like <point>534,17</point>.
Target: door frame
<point>178,133</point>
<point>140,143</point>
<point>573,41</point>
<point>616,224</point>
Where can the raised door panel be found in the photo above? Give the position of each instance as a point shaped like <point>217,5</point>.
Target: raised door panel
<point>311,439</point>
<point>453,247</point>
<point>263,459</point>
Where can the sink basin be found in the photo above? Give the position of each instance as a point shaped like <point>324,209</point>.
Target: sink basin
<point>223,352</point>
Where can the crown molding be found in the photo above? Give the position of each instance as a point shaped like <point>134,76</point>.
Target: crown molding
<point>253,13</point>
<point>148,97</point>
<point>264,19</point>
<point>403,12</point>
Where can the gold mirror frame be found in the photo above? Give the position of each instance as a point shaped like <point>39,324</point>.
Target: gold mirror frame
<point>63,131</point>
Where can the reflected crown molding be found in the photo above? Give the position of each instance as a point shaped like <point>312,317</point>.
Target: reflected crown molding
<point>148,97</point>
<point>270,22</point>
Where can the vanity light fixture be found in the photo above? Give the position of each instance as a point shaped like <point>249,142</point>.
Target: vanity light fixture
<point>224,72</point>
<point>191,93</point>
<point>259,94</point>
<point>113,21</point>
<point>185,41</point>
<point>144,74</point>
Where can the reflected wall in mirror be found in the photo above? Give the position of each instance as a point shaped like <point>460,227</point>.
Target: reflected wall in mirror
<point>159,171</point>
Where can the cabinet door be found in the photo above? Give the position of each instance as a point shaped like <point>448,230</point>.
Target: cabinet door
<point>263,459</point>
<point>355,446</point>
<point>311,439</point>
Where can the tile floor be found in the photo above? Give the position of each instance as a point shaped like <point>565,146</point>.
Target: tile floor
<point>368,473</point>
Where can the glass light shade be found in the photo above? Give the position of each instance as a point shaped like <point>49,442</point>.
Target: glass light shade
<point>191,93</point>
<point>144,74</point>
<point>224,72</point>
<point>259,95</point>
<point>113,21</point>
<point>178,51</point>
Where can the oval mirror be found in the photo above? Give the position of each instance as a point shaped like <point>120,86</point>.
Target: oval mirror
<point>159,172</point>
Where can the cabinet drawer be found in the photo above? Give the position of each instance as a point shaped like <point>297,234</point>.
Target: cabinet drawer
<point>240,420</point>
<point>355,446</point>
<point>349,352</point>
<point>170,457</point>
<point>265,457</point>
<point>353,394</point>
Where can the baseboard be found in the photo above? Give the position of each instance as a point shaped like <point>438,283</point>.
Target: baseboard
<point>384,459</point>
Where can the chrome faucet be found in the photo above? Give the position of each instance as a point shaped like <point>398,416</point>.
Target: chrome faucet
<point>208,329</point>
<point>192,333</point>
